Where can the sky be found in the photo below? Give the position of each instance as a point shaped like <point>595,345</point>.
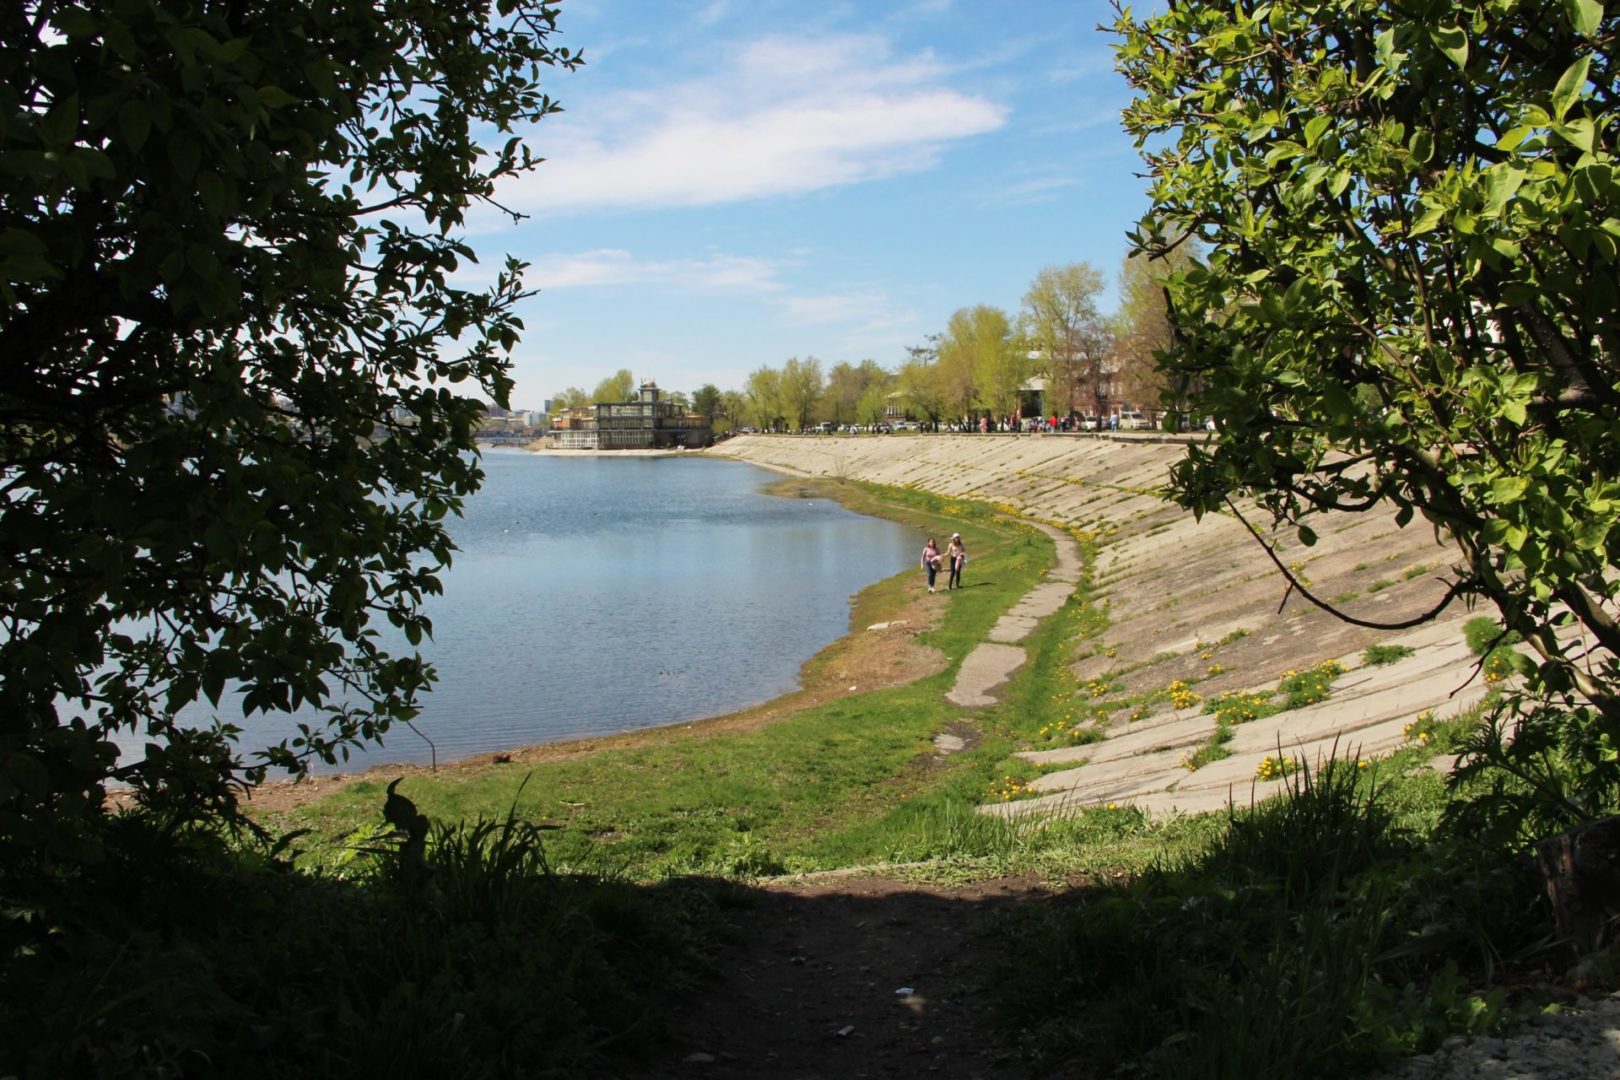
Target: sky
<point>738,182</point>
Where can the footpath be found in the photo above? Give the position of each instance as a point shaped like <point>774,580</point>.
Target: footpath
<point>1197,610</point>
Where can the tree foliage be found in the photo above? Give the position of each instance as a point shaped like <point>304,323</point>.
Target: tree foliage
<point>232,413</point>
<point>706,401</point>
<point>979,364</point>
<point>620,386</point>
<point>1061,322</point>
<point>764,392</point>
<point>799,390</point>
<point>1142,328</point>
<point>574,397</point>
<point>1409,302</point>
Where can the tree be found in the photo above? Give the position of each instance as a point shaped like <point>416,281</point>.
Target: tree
<point>574,397</point>
<point>982,367</point>
<point>620,386</point>
<point>1061,322</point>
<point>706,401</point>
<point>1409,304</point>
<point>801,389</point>
<point>922,381</point>
<point>843,393</point>
<point>1142,330</point>
<point>846,385</point>
<point>764,390</point>
<point>232,419</point>
<point>873,407</point>
<point>733,407</point>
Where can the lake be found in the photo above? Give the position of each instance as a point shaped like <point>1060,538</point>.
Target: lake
<point>600,594</point>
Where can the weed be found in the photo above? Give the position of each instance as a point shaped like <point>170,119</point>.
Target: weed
<point>1275,767</point>
<point>1240,707</point>
<point>1211,751</point>
<point>1378,655</point>
<point>1301,688</point>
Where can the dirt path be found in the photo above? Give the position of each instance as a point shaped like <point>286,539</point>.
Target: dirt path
<point>850,977</point>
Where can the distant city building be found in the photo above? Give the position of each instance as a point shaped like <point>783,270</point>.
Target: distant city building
<point>647,423</point>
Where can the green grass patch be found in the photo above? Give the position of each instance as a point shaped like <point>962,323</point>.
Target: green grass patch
<point>1322,933</point>
<point>1240,707</point>
<point>1212,750</point>
<point>1379,655</point>
<point>1302,688</point>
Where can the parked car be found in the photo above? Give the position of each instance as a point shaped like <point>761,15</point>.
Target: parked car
<point>1090,423</point>
<point>1133,421</point>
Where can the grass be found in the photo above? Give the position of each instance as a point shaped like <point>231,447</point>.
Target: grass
<point>1379,655</point>
<point>1319,934</point>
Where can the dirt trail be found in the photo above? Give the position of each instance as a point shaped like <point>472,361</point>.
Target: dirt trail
<point>848,977</point>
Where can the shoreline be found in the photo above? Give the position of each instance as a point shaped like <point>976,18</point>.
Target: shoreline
<point>876,624</point>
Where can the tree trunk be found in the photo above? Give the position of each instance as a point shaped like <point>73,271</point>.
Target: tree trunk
<point>1582,868</point>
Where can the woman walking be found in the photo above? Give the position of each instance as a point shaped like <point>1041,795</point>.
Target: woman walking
<point>956,556</point>
<point>932,560</point>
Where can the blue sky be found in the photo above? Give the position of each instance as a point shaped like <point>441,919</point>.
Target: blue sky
<point>737,182</point>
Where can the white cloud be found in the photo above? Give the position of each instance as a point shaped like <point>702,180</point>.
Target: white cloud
<point>612,266</point>
<point>1034,190</point>
<point>779,117</point>
<point>865,308</point>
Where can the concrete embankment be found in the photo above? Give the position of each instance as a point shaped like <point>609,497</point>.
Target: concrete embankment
<point>1194,604</point>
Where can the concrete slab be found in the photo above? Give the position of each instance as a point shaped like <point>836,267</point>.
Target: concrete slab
<point>1187,729</point>
<point>1044,600</point>
<point>984,669</point>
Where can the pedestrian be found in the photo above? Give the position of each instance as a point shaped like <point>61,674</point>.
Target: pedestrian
<point>932,561</point>
<point>956,556</point>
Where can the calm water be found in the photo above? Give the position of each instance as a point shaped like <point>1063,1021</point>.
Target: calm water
<point>597,594</point>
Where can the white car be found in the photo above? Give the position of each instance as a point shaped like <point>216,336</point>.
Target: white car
<point>1133,421</point>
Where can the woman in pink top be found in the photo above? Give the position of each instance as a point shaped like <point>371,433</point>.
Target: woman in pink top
<point>932,560</point>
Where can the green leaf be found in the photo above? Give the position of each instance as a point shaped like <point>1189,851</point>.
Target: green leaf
<point>1570,85</point>
<point>1307,536</point>
<point>1384,42</point>
<point>134,123</point>
<point>1426,221</point>
<point>1585,16</point>
<point>1578,133</point>
<point>1507,490</point>
<point>274,97</point>
<point>1452,41</point>
<point>58,127</point>
<point>1421,146</point>
<point>1515,137</point>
